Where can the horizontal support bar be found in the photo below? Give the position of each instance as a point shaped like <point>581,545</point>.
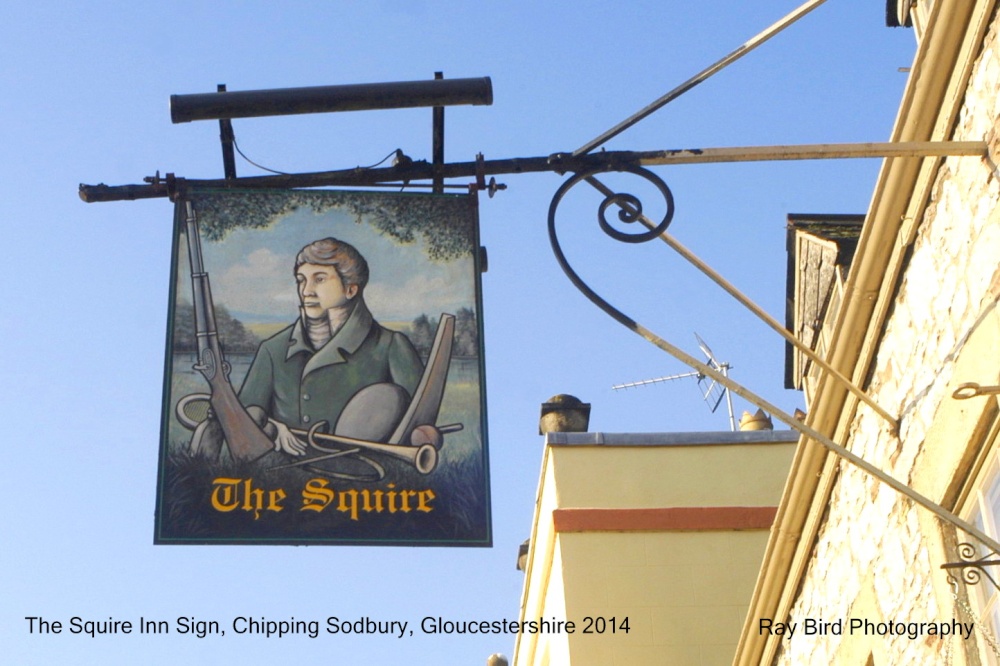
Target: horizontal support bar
<point>817,151</point>
<point>559,163</point>
<point>326,99</point>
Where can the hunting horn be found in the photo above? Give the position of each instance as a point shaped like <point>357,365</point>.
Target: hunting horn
<point>422,453</point>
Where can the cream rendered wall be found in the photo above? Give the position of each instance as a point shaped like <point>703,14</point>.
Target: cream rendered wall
<point>685,593</point>
<point>664,476</point>
<point>543,595</point>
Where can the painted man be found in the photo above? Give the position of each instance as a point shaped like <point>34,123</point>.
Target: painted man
<point>334,352</point>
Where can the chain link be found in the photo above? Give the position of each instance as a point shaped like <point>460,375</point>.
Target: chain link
<point>984,631</point>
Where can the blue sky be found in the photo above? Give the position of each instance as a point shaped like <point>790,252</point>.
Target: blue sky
<point>84,287</point>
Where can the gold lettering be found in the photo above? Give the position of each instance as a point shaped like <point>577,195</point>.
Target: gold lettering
<point>404,499</point>
<point>274,498</point>
<point>228,501</point>
<point>353,508</point>
<point>366,504</point>
<point>316,496</point>
<point>424,498</point>
<point>257,495</point>
<point>226,496</point>
<point>391,495</point>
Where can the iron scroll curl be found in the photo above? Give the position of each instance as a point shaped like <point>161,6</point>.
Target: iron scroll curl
<point>629,206</point>
<point>630,211</point>
<point>972,566</point>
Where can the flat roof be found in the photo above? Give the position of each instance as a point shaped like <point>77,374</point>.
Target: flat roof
<point>670,438</point>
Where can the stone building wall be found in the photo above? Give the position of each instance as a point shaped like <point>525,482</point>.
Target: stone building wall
<point>877,554</point>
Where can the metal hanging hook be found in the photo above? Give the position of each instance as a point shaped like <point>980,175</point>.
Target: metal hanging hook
<point>972,390</point>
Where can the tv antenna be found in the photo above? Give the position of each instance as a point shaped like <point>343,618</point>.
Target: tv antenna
<point>711,391</point>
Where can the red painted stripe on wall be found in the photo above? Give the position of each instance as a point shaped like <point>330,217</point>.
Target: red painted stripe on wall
<point>664,519</point>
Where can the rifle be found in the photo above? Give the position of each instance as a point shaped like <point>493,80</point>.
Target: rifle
<point>246,440</point>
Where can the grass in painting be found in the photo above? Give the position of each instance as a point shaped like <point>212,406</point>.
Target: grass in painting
<point>255,502</point>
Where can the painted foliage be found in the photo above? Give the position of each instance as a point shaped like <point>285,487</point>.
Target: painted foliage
<point>324,374</point>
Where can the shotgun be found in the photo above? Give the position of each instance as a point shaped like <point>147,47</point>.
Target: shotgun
<point>246,440</point>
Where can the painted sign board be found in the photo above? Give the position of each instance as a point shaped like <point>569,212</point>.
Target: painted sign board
<point>324,378</point>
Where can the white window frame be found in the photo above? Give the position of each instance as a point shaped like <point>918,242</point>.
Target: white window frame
<point>981,507</point>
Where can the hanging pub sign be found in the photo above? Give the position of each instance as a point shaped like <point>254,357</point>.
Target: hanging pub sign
<point>324,371</point>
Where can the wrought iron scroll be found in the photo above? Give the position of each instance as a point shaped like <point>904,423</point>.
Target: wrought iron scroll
<point>632,212</point>
<point>973,567</point>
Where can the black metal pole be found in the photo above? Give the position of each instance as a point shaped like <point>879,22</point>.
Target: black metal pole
<point>437,149</point>
<point>324,99</point>
<point>558,163</point>
<point>227,137</point>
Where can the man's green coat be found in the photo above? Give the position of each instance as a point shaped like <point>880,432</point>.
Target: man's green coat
<point>299,386</point>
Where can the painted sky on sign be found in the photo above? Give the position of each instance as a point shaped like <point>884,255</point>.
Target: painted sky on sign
<point>84,288</point>
<point>258,282</point>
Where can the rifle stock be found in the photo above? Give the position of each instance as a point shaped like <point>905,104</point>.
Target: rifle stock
<point>245,439</point>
